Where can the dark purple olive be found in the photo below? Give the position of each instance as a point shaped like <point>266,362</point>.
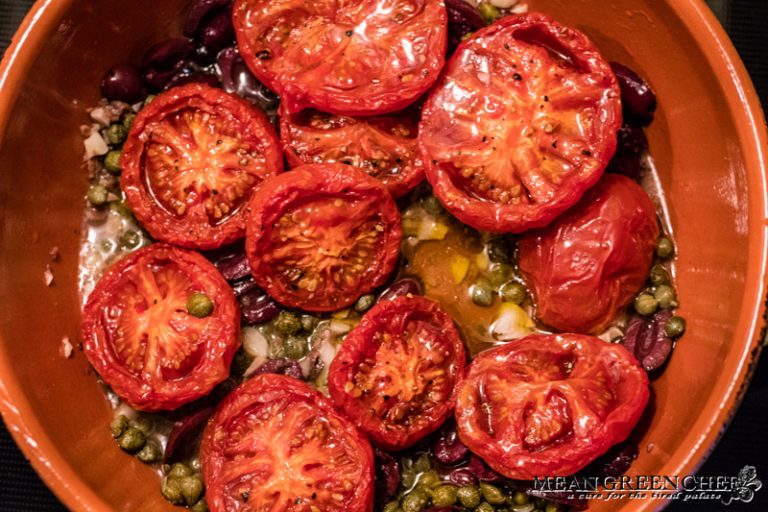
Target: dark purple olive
<point>192,78</point>
<point>402,286</point>
<point>482,471</point>
<point>463,19</point>
<point>122,82</point>
<point>233,265</point>
<point>237,78</point>
<point>184,434</point>
<point>567,498</point>
<point>448,448</point>
<point>462,476</point>
<point>281,366</point>
<point>627,160</point>
<point>617,460</point>
<point>387,476</point>
<point>199,11</point>
<point>218,32</point>
<point>637,97</point>
<point>256,307</point>
<point>165,59</point>
<point>646,339</point>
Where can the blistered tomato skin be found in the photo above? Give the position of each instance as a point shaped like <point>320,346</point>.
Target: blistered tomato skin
<point>321,236</point>
<point>590,263</point>
<point>355,58</point>
<point>140,338</point>
<point>522,121</point>
<point>395,373</point>
<point>192,161</point>
<point>548,405</point>
<point>383,146</point>
<point>276,444</point>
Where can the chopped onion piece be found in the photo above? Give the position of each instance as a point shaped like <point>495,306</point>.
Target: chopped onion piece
<point>511,323</point>
<point>95,146</point>
<point>255,343</point>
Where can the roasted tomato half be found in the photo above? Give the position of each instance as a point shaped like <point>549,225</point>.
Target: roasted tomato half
<point>521,123</point>
<point>548,405</point>
<point>321,236</point>
<point>383,146</point>
<point>277,445</point>
<point>584,268</point>
<point>192,160</point>
<point>356,58</point>
<point>143,341</point>
<point>395,374</point>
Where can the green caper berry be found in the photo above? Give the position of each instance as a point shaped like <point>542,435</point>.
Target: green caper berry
<point>191,489</point>
<point>116,134</point>
<point>171,490</point>
<point>513,292</point>
<point>144,423</point>
<point>646,304</point>
<point>666,296</point>
<point>295,347</point>
<point>482,292</point>
<point>149,453</point>
<point>675,327</point>
<point>432,205</point>
<point>659,275</point>
<point>199,305</point>
<point>121,208</point>
<point>422,464</point>
<point>489,12</point>
<point>498,250</point>
<point>392,506</point>
<point>414,502</point>
<point>179,470</point>
<point>665,248</point>
<point>364,303</point>
<point>132,440</point>
<point>469,496</point>
<point>484,507</point>
<point>492,494</point>
<point>309,322</point>
<point>520,498</point>
<point>128,120</point>
<point>118,426</point>
<point>429,480</point>
<point>287,323</point>
<point>200,506</point>
<point>444,496</point>
<point>97,195</point>
<point>500,274</point>
<point>553,507</point>
<point>112,161</point>
<point>129,240</point>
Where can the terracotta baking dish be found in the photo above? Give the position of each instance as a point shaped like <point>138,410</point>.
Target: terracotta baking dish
<point>709,141</point>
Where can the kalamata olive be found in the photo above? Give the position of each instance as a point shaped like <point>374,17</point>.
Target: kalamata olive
<point>615,462</point>
<point>184,433</point>
<point>237,78</point>
<point>646,339</point>
<point>387,476</point>
<point>218,32</point>
<point>122,82</point>
<point>256,307</point>
<point>199,11</point>
<point>402,286</point>
<point>568,498</point>
<point>462,476</point>
<point>448,448</point>
<point>165,59</point>
<point>233,264</point>
<point>637,97</point>
<point>282,366</point>
<point>632,144</point>
<point>192,78</point>
<point>482,471</point>
<point>463,19</point>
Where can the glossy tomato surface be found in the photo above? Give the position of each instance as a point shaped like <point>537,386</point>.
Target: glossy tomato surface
<point>192,160</point>
<point>356,58</point>
<point>383,146</point>
<point>276,444</point>
<point>140,338</point>
<point>590,263</point>
<point>322,235</point>
<point>547,405</point>
<point>522,121</point>
<point>395,373</point>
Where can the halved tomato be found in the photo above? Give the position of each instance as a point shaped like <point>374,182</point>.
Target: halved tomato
<point>141,339</point>
<point>277,445</point>
<point>548,405</point>
<point>321,236</point>
<point>383,146</point>
<point>395,373</point>
<point>521,123</point>
<point>589,264</point>
<point>192,160</point>
<point>355,58</point>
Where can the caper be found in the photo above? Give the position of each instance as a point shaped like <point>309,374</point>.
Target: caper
<point>130,239</point>
<point>422,463</point>
<point>492,494</point>
<point>432,205</point>
<point>144,423</point>
<point>481,292</point>
<point>241,362</point>
<point>179,470</point>
<point>309,322</point>
<point>500,273</point>
<point>392,506</point>
<point>287,323</point>
<point>429,480</point>
<point>128,120</point>
<point>149,453</point>
<point>469,496</point>
<point>295,347</point>
<point>528,507</point>
<point>519,498</point>
<point>484,507</point>
<point>200,506</point>
<point>665,248</point>
<point>118,426</point>
<point>646,304</point>
<point>675,327</point>
<point>199,305</point>
<point>498,250</point>
<point>513,292</point>
<point>171,490</point>
<point>97,195</point>
<point>112,161</point>
<point>408,477</point>
<point>444,496</point>
<point>121,208</point>
<point>659,275</point>
<point>116,134</point>
<point>191,489</point>
<point>489,12</point>
<point>553,507</point>
<point>666,296</point>
<point>364,303</point>
<point>132,440</point>
<point>414,502</point>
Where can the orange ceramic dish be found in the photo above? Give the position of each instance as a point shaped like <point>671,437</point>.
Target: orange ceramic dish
<point>708,140</point>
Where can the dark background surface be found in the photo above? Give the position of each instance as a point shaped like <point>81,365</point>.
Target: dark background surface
<point>745,442</point>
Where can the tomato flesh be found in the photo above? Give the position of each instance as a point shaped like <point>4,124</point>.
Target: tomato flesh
<point>396,371</point>
<point>548,405</point>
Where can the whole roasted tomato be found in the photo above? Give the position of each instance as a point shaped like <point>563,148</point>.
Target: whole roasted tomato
<point>383,146</point>
<point>589,264</point>
<point>354,58</point>
<point>522,121</point>
<point>548,405</point>
<point>142,339</point>
<point>321,236</point>
<point>192,160</point>
<point>395,374</point>
<point>276,445</point>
